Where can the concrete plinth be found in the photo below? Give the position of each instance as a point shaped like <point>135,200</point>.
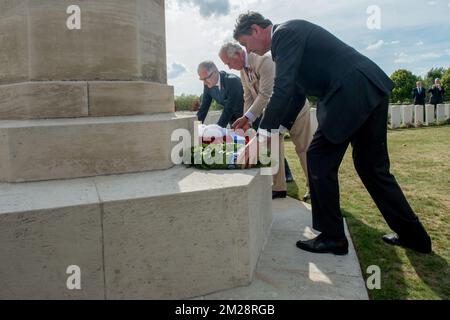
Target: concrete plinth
<point>288,273</point>
<point>94,101</point>
<point>395,117</point>
<point>429,114</point>
<point>407,115</point>
<point>118,40</point>
<point>176,233</point>
<point>71,99</point>
<point>70,148</point>
<point>418,115</point>
<point>34,100</point>
<point>121,98</point>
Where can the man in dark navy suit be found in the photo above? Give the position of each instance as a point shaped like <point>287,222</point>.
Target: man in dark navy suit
<point>225,89</point>
<point>419,94</point>
<point>353,105</point>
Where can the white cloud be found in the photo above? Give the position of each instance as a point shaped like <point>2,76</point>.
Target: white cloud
<point>419,44</point>
<point>209,8</point>
<point>193,35</point>
<point>432,3</point>
<point>403,58</point>
<point>175,70</point>
<point>431,55</point>
<point>375,45</point>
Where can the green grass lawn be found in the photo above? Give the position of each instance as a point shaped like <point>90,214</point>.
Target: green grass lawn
<point>420,161</point>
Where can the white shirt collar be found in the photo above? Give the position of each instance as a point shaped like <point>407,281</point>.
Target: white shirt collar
<point>218,81</point>
<point>246,59</point>
<point>271,33</point>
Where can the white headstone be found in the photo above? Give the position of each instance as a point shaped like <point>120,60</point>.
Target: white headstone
<point>418,115</point>
<point>447,111</point>
<point>395,117</point>
<point>440,113</point>
<point>407,114</point>
<point>429,114</point>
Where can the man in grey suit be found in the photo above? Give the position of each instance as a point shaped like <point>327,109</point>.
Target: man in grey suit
<point>353,104</point>
<point>225,89</point>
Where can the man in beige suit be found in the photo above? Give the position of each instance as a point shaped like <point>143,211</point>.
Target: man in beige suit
<point>257,77</point>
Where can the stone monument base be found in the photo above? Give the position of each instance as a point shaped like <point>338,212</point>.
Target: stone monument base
<point>169,234</point>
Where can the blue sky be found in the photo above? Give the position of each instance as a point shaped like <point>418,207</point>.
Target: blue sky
<point>414,34</point>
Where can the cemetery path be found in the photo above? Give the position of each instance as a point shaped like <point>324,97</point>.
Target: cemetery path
<point>286,272</point>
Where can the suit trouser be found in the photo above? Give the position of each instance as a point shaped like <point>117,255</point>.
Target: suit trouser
<point>301,136</point>
<point>371,161</point>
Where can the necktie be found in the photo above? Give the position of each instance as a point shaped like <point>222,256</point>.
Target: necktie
<point>215,93</point>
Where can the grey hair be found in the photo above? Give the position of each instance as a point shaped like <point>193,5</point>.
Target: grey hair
<point>231,49</point>
<point>208,66</point>
<point>437,79</point>
<point>245,21</point>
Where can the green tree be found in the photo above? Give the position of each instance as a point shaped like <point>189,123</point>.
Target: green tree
<point>191,102</point>
<point>432,74</point>
<point>186,102</point>
<point>445,80</point>
<point>404,82</point>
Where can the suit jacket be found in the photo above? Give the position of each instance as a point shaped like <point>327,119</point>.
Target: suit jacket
<point>311,61</point>
<point>419,98</point>
<point>257,82</point>
<point>437,96</point>
<point>230,96</point>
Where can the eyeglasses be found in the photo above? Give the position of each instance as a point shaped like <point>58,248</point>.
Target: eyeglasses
<point>210,75</point>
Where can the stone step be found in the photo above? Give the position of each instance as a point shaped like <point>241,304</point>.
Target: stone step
<point>71,99</point>
<point>32,150</point>
<point>169,234</point>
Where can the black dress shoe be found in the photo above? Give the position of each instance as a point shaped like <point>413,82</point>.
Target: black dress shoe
<point>324,244</point>
<point>394,240</point>
<point>279,194</point>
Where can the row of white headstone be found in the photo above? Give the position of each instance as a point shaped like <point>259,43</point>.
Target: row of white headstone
<point>413,115</point>
<point>408,115</point>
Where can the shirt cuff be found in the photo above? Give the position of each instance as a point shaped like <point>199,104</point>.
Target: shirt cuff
<point>250,116</point>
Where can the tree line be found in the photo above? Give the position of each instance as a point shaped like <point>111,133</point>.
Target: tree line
<point>404,80</point>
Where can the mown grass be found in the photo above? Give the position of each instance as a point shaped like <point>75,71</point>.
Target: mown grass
<point>420,161</point>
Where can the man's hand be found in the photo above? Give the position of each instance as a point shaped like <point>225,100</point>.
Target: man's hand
<point>242,123</point>
<point>249,155</point>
